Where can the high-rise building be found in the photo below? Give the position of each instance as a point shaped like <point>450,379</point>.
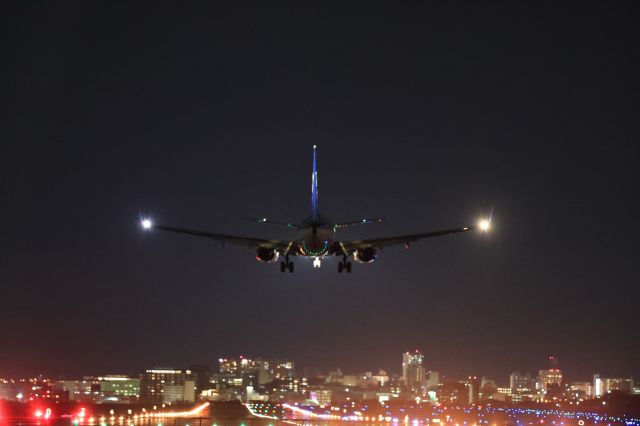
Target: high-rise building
<point>202,376</point>
<point>281,369</point>
<point>519,382</point>
<point>473,385</point>
<point>604,385</point>
<point>240,372</point>
<point>412,369</point>
<point>116,387</point>
<point>551,379</point>
<point>167,385</point>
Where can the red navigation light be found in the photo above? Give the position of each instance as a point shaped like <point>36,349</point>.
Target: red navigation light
<point>40,414</point>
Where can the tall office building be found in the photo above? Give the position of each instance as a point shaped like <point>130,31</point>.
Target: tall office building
<point>605,385</point>
<point>281,369</point>
<point>202,375</point>
<point>473,386</point>
<point>412,369</point>
<point>551,378</point>
<point>116,387</point>
<point>167,385</point>
<point>519,382</point>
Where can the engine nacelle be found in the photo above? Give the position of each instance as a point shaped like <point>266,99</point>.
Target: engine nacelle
<point>268,255</point>
<point>365,255</point>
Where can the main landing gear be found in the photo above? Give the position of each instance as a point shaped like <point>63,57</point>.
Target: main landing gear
<point>344,265</point>
<point>287,264</point>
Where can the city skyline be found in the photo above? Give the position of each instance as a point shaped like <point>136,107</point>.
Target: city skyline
<point>412,364</point>
<point>267,380</point>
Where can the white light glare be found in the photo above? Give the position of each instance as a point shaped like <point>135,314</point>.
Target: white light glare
<point>317,262</point>
<point>484,224</point>
<point>146,223</point>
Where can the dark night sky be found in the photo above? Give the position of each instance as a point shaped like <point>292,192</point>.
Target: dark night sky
<point>427,114</point>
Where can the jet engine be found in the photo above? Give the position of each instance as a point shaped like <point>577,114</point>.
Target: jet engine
<point>365,255</point>
<point>268,255</point>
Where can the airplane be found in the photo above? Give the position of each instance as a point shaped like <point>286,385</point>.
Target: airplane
<point>316,237</point>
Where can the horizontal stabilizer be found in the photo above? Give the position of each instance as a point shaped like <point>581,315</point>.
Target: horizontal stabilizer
<point>271,222</point>
<point>358,222</point>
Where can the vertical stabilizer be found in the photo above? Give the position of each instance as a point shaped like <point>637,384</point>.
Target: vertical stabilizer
<point>314,188</point>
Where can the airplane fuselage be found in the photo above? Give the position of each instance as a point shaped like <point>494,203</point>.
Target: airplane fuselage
<point>314,241</point>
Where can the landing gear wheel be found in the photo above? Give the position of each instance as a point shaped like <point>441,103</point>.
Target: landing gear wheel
<point>283,266</point>
<point>290,267</point>
<point>349,267</point>
<point>340,267</point>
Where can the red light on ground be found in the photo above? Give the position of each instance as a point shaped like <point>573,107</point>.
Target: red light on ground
<point>39,414</point>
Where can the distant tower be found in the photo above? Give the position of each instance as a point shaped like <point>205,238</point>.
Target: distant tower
<point>519,382</point>
<point>474,389</point>
<point>412,369</point>
<point>550,381</point>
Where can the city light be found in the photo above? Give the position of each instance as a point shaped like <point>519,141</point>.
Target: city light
<point>255,413</point>
<point>460,402</point>
<point>197,410</point>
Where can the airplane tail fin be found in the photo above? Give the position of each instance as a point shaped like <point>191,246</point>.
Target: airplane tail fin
<point>314,188</point>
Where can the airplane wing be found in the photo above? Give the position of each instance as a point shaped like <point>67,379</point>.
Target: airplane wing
<point>401,239</point>
<point>232,239</point>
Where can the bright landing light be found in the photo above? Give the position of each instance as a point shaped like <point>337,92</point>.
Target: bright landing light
<point>484,225</point>
<point>317,262</point>
<point>146,223</point>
